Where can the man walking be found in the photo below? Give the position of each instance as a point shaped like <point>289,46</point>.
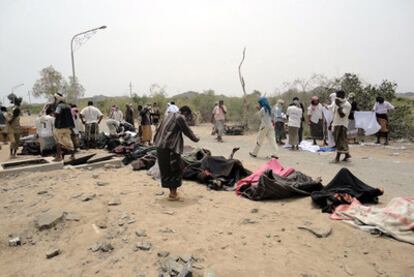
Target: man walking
<point>341,111</point>
<point>218,118</point>
<point>91,117</point>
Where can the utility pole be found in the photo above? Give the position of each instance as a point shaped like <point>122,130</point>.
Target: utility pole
<point>30,102</point>
<point>130,89</point>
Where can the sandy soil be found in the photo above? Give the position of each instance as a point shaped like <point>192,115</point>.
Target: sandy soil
<point>210,225</point>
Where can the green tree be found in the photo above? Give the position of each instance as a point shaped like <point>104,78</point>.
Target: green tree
<point>73,89</point>
<point>51,81</point>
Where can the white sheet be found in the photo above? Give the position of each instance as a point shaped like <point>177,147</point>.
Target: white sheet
<point>367,121</point>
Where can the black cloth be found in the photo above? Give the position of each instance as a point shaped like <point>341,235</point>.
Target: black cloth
<point>129,116</point>
<point>216,172</point>
<point>63,116</point>
<point>138,152</point>
<point>271,186</point>
<point>354,108</point>
<point>2,119</point>
<point>171,166</point>
<point>145,162</point>
<point>344,182</point>
<point>145,116</point>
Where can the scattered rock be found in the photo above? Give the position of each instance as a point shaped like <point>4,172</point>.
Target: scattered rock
<point>95,247</point>
<point>187,258</point>
<point>131,221</point>
<point>49,219</point>
<point>173,267</point>
<point>254,210</point>
<point>163,254</point>
<point>198,266</point>
<point>167,230</point>
<point>101,184</point>
<point>42,192</point>
<point>168,212</point>
<point>114,201</point>
<point>145,246</point>
<point>348,270</point>
<point>88,197</point>
<point>52,253</point>
<point>319,232</point>
<point>76,195</point>
<point>141,233</point>
<point>159,193</point>
<point>248,221</point>
<point>15,242</point>
<point>95,176</point>
<point>72,216</point>
<point>106,247</point>
<point>209,273</point>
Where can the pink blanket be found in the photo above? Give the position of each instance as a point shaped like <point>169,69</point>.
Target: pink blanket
<point>253,179</point>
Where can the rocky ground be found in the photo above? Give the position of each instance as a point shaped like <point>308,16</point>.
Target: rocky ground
<point>117,222</point>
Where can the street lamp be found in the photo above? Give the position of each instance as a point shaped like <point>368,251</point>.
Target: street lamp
<point>86,35</point>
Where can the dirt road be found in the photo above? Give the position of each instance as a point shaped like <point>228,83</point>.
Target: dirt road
<point>212,226</point>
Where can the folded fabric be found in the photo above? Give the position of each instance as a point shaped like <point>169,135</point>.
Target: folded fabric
<point>308,146</point>
<point>253,179</point>
<point>342,188</point>
<point>367,121</point>
<point>395,220</point>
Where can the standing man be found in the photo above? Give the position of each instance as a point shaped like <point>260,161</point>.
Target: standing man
<point>315,119</point>
<point>294,114</point>
<point>279,121</point>
<point>116,113</point>
<point>91,117</point>
<point>381,109</point>
<point>44,129</point>
<point>218,116</point>
<point>129,114</point>
<point>341,111</point>
<point>63,127</point>
<point>146,136</point>
<point>3,123</point>
<point>170,144</point>
<point>155,115</point>
<point>300,105</point>
<point>13,124</point>
<point>265,129</point>
<point>352,130</point>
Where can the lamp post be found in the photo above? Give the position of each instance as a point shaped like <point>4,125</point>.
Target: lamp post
<point>71,47</point>
<point>16,86</point>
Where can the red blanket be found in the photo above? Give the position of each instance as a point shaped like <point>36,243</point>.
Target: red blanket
<point>253,179</point>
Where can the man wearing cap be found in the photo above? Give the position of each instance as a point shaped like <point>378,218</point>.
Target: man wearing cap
<point>63,127</point>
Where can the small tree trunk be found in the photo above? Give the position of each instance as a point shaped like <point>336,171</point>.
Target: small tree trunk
<point>245,123</point>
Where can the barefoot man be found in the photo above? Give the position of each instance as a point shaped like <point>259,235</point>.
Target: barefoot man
<point>340,122</point>
<point>169,142</point>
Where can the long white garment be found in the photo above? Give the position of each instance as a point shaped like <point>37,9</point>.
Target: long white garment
<point>328,115</point>
<point>367,121</point>
<point>269,133</point>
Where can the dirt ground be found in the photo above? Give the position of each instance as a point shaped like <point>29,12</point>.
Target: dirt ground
<point>209,225</point>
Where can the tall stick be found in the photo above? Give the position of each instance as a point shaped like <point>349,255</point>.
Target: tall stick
<point>243,84</point>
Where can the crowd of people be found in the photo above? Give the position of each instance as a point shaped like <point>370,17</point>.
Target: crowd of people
<point>60,126</point>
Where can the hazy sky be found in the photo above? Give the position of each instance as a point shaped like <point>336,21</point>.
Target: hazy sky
<point>196,45</point>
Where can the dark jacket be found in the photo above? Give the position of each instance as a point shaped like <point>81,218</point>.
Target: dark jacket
<point>63,116</point>
<point>169,134</point>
